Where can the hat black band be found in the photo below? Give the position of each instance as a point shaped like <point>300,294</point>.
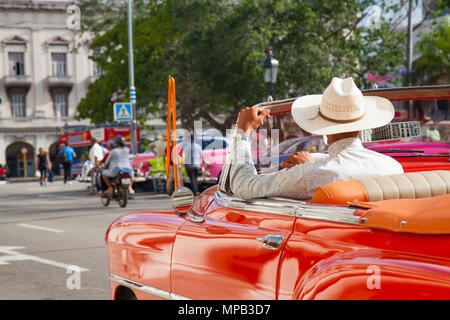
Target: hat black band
<point>339,121</point>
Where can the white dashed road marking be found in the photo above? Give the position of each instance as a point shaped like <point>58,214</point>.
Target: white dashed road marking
<point>11,254</point>
<point>39,228</point>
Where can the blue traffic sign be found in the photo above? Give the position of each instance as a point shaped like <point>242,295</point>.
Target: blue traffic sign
<point>123,111</point>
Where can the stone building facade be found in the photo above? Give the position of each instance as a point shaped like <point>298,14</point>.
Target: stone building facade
<point>42,79</point>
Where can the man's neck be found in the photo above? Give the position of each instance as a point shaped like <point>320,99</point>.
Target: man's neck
<point>340,136</point>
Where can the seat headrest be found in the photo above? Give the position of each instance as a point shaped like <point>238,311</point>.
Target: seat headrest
<point>398,186</point>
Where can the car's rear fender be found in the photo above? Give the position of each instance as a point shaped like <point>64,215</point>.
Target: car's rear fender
<point>369,275</point>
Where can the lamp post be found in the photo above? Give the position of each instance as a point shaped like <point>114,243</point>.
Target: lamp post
<point>270,69</point>
<point>131,78</point>
<point>409,56</point>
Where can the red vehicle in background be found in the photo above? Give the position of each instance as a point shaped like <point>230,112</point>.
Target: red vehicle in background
<point>80,141</point>
<point>2,173</point>
<point>419,153</point>
<point>140,165</point>
<point>416,156</point>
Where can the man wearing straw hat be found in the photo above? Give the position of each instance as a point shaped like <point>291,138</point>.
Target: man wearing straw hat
<point>340,113</point>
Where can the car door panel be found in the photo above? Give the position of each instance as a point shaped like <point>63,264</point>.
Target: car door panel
<point>224,257</point>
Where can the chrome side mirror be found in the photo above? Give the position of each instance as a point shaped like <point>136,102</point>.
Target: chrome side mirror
<point>182,201</point>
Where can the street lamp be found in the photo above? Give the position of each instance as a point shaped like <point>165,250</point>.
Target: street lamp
<point>131,78</point>
<point>270,69</point>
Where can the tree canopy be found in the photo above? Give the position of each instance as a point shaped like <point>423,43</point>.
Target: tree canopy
<point>215,49</point>
<point>433,66</point>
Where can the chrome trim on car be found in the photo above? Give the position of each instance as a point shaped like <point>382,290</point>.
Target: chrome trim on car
<point>289,207</point>
<point>271,241</point>
<point>274,206</point>
<point>147,289</point>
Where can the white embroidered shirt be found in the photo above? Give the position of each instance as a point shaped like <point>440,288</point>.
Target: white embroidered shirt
<point>347,159</point>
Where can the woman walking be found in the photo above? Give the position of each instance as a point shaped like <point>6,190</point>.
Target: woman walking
<point>44,165</point>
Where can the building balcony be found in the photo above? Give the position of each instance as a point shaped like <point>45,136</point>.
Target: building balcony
<point>17,81</point>
<point>60,81</point>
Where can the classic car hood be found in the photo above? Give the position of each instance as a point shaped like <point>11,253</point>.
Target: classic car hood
<point>402,148</point>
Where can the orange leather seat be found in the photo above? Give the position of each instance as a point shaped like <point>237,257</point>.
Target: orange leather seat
<point>340,192</point>
<point>400,186</point>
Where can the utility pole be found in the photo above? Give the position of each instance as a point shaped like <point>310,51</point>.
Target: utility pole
<point>131,78</point>
<point>409,56</point>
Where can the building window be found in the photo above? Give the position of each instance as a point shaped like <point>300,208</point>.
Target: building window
<point>61,102</point>
<point>16,64</point>
<point>18,103</point>
<point>59,64</point>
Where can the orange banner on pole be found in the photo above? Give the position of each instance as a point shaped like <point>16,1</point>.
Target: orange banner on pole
<point>172,122</point>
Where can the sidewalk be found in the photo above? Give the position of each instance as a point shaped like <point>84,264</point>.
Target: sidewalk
<point>30,179</point>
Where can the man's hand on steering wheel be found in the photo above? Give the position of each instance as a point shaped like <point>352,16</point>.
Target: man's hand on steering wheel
<point>252,118</point>
<point>297,158</point>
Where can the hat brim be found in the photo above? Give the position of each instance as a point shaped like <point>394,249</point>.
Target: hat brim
<point>378,112</point>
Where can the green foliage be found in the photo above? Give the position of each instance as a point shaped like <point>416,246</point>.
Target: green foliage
<point>433,66</point>
<point>215,49</point>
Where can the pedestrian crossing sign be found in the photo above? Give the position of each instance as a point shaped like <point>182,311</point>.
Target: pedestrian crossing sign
<point>123,112</point>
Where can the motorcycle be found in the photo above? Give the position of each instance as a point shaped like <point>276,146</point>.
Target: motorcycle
<point>120,184</point>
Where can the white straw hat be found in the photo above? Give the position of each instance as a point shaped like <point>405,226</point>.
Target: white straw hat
<point>341,108</point>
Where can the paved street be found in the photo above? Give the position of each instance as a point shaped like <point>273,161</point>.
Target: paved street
<point>46,230</point>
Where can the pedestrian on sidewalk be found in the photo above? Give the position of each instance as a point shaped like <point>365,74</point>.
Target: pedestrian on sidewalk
<point>95,155</point>
<point>192,158</point>
<point>159,147</point>
<point>44,165</point>
<point>68,154</point>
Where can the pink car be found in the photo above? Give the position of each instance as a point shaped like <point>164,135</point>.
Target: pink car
<point>213,160</point>
<point>140,165</point>
<point>402,148</point>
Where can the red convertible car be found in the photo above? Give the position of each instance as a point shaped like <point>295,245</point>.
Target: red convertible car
<point>386,237</point>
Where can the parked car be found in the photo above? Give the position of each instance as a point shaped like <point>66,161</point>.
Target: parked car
<point>419,144</point>
<point>418,153</point>
<point>375,238</point>
<point>213,159</point>
<point>277,154</point>
<point>209,142</point>
<point>407,148</point>
<point>139,162</point>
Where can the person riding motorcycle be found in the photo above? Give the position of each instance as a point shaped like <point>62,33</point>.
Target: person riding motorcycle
<point>117,162</point>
